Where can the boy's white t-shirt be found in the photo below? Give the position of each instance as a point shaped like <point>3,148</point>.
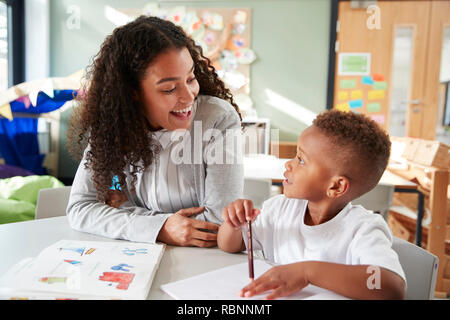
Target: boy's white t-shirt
<point>354,236</point>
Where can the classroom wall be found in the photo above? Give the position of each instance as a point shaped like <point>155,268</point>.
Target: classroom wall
<point>290,38</point>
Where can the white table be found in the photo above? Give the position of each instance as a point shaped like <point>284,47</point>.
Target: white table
<point>27,239</point>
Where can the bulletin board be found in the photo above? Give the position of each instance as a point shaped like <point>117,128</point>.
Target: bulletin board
<point>360,89</point>
<point>224,35</point>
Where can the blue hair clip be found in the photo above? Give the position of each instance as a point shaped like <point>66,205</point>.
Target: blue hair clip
<point>115,184</point>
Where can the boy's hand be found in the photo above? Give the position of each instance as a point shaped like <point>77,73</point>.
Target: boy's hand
<point>239,212</point>
<point>283,280</point>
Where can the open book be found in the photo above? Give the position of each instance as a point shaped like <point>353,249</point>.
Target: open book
<point>72,269</point>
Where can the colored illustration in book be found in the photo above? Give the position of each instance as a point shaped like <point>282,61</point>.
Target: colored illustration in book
<point>123,279</point>
<point>81,251</point>
<point>132,252</point>
<point>121,267</point>
<point>52,280</point>
<point>72,262</point>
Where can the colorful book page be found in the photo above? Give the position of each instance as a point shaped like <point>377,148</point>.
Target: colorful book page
<point>87,269</point>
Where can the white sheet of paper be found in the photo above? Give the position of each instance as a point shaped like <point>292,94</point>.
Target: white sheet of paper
<point>225,284</point>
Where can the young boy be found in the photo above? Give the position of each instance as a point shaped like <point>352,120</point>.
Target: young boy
<point>313,231</point>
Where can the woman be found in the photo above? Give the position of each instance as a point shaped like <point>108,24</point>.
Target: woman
<point>151,95</point>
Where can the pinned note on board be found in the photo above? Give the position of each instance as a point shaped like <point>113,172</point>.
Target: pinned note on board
<point>356,94</point>
<point>377,77</point>
<point>367,80</point>
<point>375,94</point>
<point>342,107</point>
<point>354,64</point>
<point>342,95</point>
<point>355,103</point>
<point>380,85</point>
<point>379,118</point>
<point>348,84</point>
<point>374,107</point>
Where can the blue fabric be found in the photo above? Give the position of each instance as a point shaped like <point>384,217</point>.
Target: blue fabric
<point>19,144</point>
<point>45,103</point>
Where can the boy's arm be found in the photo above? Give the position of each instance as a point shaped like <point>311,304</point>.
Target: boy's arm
<point>353,281</point>
<point>230,239</point>
<point>357,281</point>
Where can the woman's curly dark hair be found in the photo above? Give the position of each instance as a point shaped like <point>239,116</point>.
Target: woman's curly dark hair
<point>110,117</point>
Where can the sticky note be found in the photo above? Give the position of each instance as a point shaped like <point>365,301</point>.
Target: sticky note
<point>375,94</point>
<point>354,63</point>
<point>356,94</point>
<point>348,84</point>
<point>342,95</point>
<point>342,107</point>
<point>374,107</point>
<point>380,85</point>
<point>355,103</point>
<point>379,118</point>
<point>377,77</point>
<point>367,80</point>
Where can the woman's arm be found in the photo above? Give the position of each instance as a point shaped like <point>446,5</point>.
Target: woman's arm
<point>86,213</point>
<point>222,180</point>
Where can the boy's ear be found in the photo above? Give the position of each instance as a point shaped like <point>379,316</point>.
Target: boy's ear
<point>338,187</point>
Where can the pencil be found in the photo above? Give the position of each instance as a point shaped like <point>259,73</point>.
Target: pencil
<point>250,251</point>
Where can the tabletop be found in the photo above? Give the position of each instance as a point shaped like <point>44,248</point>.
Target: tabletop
<point>27,239</point>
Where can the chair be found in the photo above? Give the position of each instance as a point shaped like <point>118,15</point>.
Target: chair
<point>379,199</point>
<point>52,202</point>
<point>257,190</point>
<point>420,267</point>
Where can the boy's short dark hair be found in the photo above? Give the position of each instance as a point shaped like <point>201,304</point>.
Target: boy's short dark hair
<point>361,146</point>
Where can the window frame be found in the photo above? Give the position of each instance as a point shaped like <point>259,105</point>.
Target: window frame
<point>16,41</point>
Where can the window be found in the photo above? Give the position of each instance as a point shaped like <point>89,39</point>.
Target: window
<point>3,46</point>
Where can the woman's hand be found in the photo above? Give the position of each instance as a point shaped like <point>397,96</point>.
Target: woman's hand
<point>283,280</point>
<point>116,198</point>
<point>180,230</point>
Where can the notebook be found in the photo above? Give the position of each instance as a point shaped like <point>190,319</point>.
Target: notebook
<point>225,284</point>
<point>72,269</point>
